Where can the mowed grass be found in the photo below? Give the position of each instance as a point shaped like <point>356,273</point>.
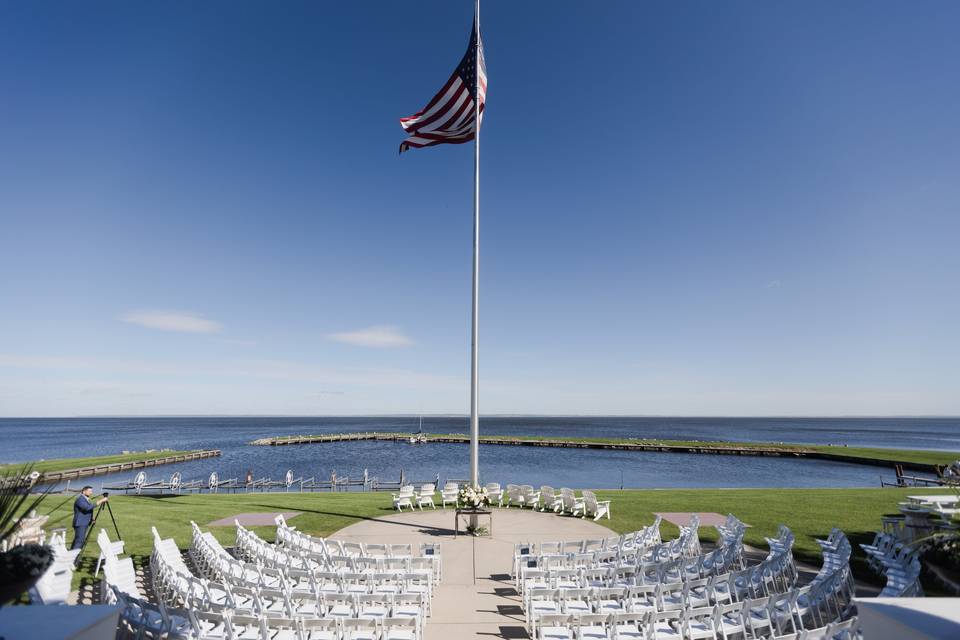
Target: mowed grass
<point>810,513</point>
<point>323,514</point>
<point>65,464</point>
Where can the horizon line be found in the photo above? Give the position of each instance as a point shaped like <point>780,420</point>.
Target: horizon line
<point>488,415</point>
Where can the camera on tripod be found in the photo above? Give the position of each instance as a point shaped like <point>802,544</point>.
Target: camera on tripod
<point>104,504</point>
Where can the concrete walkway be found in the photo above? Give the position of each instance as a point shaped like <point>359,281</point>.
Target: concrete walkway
<point>476,598</point>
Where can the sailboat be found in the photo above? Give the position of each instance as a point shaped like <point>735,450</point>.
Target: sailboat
<point>418,437</point>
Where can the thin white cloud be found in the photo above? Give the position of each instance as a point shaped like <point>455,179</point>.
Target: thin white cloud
<point>172,321</point>
<point>323,376</point>
<point>380,337</point>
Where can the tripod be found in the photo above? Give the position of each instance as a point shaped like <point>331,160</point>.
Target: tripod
<point>93,523</point>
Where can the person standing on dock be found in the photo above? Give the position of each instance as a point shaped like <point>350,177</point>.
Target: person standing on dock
<point>83,515</point>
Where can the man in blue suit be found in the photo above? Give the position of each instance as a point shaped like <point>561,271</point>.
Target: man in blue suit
<point>83,515</point>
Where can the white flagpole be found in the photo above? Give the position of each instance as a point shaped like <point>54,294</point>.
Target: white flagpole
<point>474,368</point>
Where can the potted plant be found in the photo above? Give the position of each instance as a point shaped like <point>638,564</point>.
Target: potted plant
<point>22,565</point>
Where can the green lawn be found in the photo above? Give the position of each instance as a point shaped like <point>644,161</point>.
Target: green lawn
<point>65,464</point>
<point>322,515</point>
<point>893,455</point>
<point>810,513</point>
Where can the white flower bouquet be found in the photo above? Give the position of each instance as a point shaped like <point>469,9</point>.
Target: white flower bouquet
<point>473,498</point>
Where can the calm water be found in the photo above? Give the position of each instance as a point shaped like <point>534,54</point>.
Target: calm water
<point>32,439</point>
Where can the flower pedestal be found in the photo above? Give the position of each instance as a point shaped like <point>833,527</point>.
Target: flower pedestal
<point>473,502</point>
<point>473,515</point>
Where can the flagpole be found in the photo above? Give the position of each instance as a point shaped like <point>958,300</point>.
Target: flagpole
<point>474,365</point>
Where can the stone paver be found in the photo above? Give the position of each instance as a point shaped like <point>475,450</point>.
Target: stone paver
<point>476,598</point>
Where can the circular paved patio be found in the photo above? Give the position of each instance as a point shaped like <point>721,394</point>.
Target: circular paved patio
<point>476,597</point>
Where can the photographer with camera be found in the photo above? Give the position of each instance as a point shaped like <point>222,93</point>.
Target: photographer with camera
<point>83,515</point>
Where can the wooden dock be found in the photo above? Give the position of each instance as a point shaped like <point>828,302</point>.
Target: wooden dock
<point>638,445</point>
<point>99,470</point>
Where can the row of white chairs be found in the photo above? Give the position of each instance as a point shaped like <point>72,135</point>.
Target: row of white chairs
<point>899,562</point>
<point>376,556</point>
<point>547,499</point>
<point>837,551</point>
<point>770,575</point>
<point>612,549</point>
<point>759,601</point>
<point>201,595</point>
<point>626,549</point>
<point>796,612</point>
<point>701,624</point>
<point>752,584</point>
<point>639,563</point>
<point>410,497</point>
<point>602,571</point>
<point>229,626</point>
<point>418,571</point>
<point>305,577</point>
<point>288,611</point>
<point>140,619</point>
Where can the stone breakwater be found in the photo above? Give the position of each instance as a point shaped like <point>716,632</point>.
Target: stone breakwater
<point>730,449</point>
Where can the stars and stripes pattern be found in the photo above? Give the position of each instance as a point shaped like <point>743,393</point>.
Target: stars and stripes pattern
<point>449,118</point>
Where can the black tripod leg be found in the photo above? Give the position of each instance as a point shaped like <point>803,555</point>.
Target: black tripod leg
<point>112,519</point>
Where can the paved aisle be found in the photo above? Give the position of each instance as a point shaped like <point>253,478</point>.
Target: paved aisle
<point>476,598</point>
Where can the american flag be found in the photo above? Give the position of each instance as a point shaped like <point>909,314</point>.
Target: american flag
<point>449,116</point>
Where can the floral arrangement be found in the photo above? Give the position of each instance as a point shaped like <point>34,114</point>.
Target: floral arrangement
<point>473,498</point>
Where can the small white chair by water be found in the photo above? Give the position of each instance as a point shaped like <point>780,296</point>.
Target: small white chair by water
<point>405,498</point>
<point>550,501</point>
<point>426,496</point>
<point>449,494</point>
<point>514,497</point>
<point>531,497</point>
<point>495,493</point>
<point>571,504</point>
<point>595,508</point>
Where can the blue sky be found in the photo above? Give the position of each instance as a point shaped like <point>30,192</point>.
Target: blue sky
<point>697,208</point>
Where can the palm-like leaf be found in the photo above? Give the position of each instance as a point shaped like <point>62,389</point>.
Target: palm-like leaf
<point>16,500</point>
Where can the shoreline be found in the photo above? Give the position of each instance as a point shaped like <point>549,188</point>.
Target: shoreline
<point>913,459</point>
